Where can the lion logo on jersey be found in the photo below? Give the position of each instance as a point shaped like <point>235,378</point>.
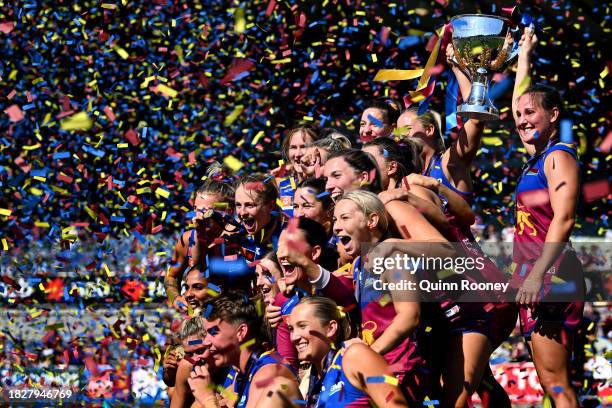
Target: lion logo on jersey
<point>522,219</point>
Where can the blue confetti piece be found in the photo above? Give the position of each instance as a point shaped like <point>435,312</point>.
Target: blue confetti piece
<point>219,266</point>
<point>214,287</point>
<point>195,342</point>
<point>431,402</point>
<point>375,121</point>
<point>567,135</point>
<point>208,310</point>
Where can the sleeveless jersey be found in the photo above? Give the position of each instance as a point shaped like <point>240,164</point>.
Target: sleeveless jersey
<point>534,214</point>
<point>287,187</point>
<point>533,210</point>
<point>242,382</point>
<point>436,171</point>
<point>255,247</point>
<point>335,389</point>
<point>377,313</point>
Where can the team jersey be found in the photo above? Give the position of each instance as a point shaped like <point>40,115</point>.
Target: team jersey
<point>377,313</point>
<point>533,210</point>
<point>534,215</point>
<point>334,389</point>
<point>242,382</point>
<point>255,247</point>
<point>436,171</point>
<point>287,187</point>
<point>337,289</point>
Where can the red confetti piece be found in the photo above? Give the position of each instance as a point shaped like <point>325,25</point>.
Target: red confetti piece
<point>606,144</point>
<point>132,137</point>
<point>91,365</point>
<point>389,396</point>
<point>270,8</point>
<point>406,234</point>
<point>255,185</point>
<point>109,113</point>
<point>535,198</point>
<point>240,65</point>
<point>7,26</point>
<point>15,113</point>
<point>595,190</point>
<point>436,69</point>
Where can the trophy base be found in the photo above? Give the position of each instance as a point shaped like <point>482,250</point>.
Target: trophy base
<point>478,112</point>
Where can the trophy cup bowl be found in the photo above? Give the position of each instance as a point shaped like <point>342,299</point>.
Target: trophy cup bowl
<point>483,45</point>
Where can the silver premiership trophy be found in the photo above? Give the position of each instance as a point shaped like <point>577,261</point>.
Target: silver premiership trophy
<point>483,45</point>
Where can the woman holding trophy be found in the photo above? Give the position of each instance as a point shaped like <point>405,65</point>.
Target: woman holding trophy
<point>548,275</point>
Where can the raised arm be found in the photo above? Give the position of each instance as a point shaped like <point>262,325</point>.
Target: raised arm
<point>465,148</point>
<point>522,81</point>
<point>174,274</point>
<point>465,85</point>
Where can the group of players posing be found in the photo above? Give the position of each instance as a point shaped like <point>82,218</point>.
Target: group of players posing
<point>309,329</point>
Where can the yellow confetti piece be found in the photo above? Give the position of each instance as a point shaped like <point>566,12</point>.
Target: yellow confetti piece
<point>5,246</point>
<point>258,136</point>
<point>5,211</point>
<point>477,50</point>
<point>445,273</point>
<point>281,61</point>
<point>492,141</point>
<point>78,121</point>
<point>247,344</point>
<point>107,270</point>
<point>161,192</point>
<point>166,90</point>
<point>32,147</point>
<point>604,73</point>
<point>233,115</point>
<point>374,57</point>
<point>418,97</point>
<point>122,53</point>
<point>427,329</point>
<point>384,301</point>
<point>239,21</point>
<point>233,163</point>
<point>391,380</point>
<point>157,358</point>
<point>397,74</point>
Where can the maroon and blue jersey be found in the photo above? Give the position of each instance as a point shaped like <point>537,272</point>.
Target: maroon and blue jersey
<point>533,210</point>
<point>337,290</point>
<point>534,215</point>
<point>287,187</point>
<point>491,316</point>
<point>334,388</point>
<point>377,313</point>
<point>242,381</point>
<point>435,170</point>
